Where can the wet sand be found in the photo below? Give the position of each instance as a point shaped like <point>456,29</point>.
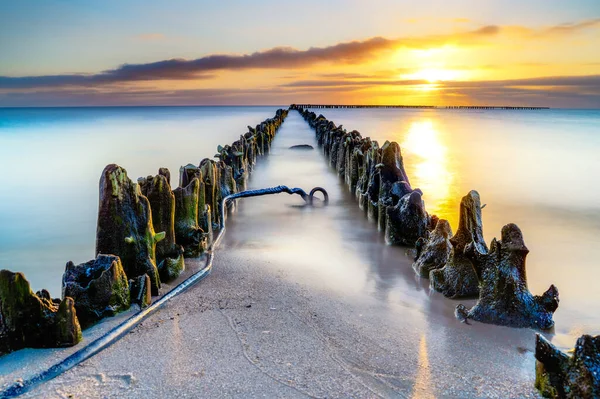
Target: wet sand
<point>306,302</point>
<point>24,364</point>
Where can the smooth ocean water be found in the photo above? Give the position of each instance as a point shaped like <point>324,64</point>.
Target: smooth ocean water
<point>52,159</point>
<point>538,169</point>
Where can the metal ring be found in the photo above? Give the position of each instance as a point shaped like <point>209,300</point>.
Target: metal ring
<point>315,190</point>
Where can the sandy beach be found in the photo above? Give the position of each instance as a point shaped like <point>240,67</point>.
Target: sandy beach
<point>287,313</point>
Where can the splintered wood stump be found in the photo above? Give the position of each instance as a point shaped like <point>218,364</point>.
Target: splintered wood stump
<point>457,279</point>
<point>125,225</point>
<point>504,298</point>
<point>31,320</point>
<point>407,221</point>
<point>391,172</point>
<point>98,287</point>
<point>433,252</point>
<point>560,376</point>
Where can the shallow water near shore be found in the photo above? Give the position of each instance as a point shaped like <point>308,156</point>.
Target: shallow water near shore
<point>533,168</point>
<point>538,169</point>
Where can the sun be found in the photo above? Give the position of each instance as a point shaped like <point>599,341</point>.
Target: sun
<point>433,75</point>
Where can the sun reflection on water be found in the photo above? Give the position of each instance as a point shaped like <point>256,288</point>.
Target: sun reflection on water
<point>422,388</point>
<point>428,168</point>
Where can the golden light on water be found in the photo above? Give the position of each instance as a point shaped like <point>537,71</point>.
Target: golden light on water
<point>428,168</point>
<point>422,388</point>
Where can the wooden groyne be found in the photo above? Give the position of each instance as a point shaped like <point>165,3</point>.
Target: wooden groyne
<point>505,107</point>
<point>144,232</point>
<point>460,265</point>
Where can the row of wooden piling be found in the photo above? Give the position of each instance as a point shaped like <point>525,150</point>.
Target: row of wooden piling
<point>145,231</point>
<point>459,265</point>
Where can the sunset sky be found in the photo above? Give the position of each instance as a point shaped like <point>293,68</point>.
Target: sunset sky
<point>430,52</point>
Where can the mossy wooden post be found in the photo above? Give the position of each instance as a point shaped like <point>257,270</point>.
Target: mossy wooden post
<point>344,147</point>
<point>335,145</point>
<point>367,183</point>
<point>364,169</point>
<point>354,170</point>
<point>250,149</point>
<point>140,291</point>
<point>66,329</point>
<point>125,226</point>
<point>391,171</point>
<point>558,375</point>
<point>98,287</point>
<point>228,184</point>
<point>187,232</point>
<point>434,251</point>
<point>239,164</point>
<point>504,298</point>
<point>407,221</point>
<point>458,278</point>
<point>212,192</point>
<point>169,255</point>
<point>32,320</point>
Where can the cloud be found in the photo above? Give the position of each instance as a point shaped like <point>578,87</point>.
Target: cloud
<point>353,52</point>
<point>569,28</point>
<point>118,86</point>
<point>562,30</point>
<point>487,30</point>
<point>557,91</point>
<point>590,82</point>
<point>339,83</point>
<point>122,74</point>
<point>574,91</point>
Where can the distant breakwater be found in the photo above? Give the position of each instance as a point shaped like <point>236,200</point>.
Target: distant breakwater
<point>491,107</point>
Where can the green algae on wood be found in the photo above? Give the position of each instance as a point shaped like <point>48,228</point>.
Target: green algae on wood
<point>187,232</point>
<point>125,226</point>
<point>140,291</point>
<point>169,255</point>
<point>558,375</point>
<point>32,320</point>
<point>99,288</point>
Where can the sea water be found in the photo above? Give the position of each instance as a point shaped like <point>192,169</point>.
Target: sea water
<point>537,168</point>
<point>52,158</point>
